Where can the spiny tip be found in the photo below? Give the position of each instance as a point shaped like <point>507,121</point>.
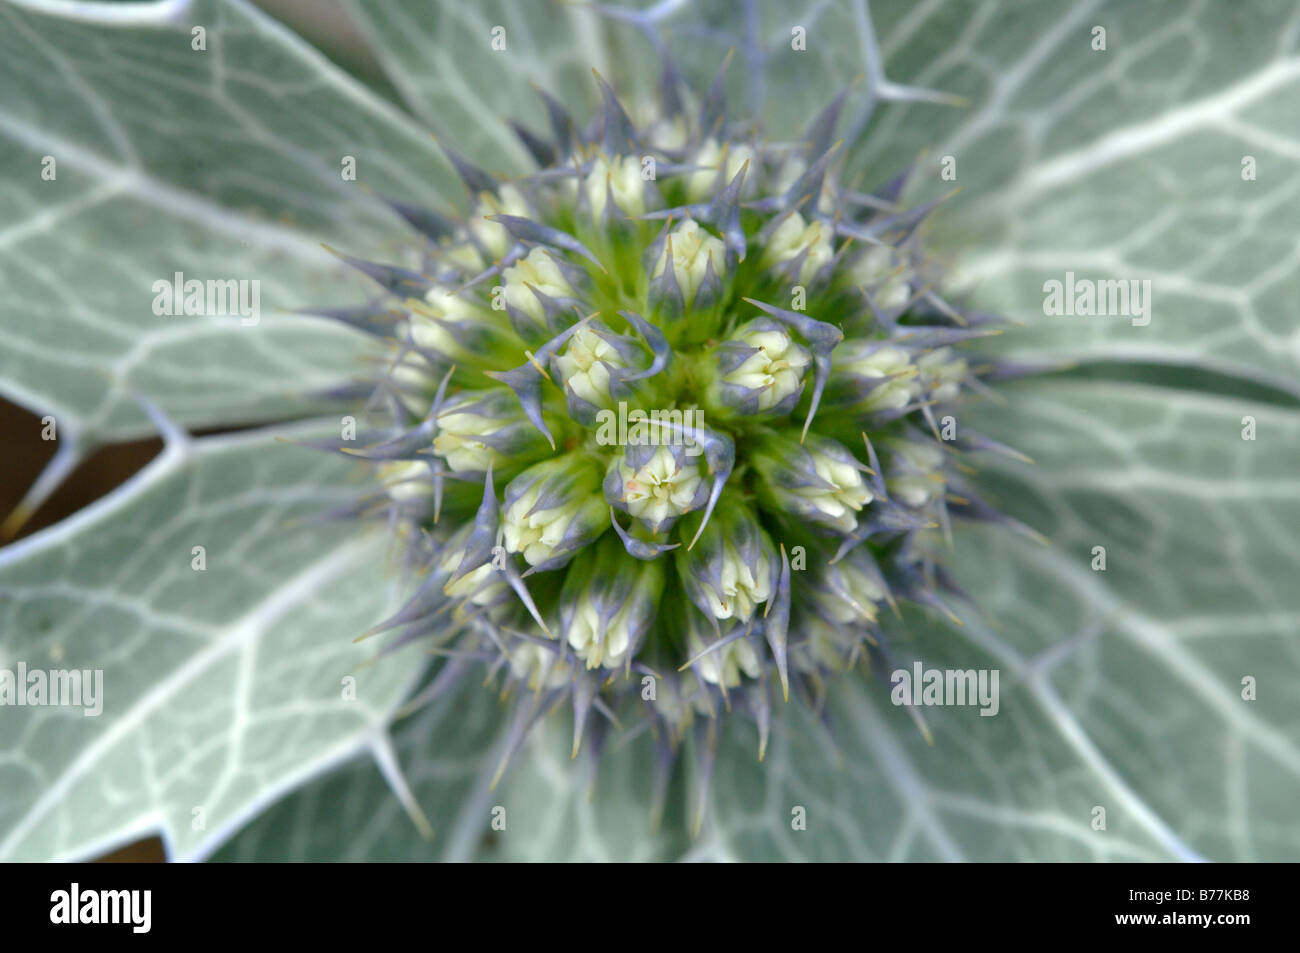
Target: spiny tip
<point>15,521</point>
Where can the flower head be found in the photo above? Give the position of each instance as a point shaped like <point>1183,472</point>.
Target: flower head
<point>630,456</point>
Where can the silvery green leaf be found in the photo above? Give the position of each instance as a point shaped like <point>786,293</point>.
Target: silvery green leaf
<point>127,156</point>
<point>223,686</point>
<point>1163,158</point>
<point>465,68</point>
<point>351,814</point>
<point>547,807</point>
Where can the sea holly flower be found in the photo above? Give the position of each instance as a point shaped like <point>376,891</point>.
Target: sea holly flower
<point>766,296</point>
<point>687,453</point>
<point>619,293</point>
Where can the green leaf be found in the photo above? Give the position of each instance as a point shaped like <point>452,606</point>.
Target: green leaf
<point>464,68</point>
<point>1120,689</point>
<point>440,54</point>
<point>547,806</point>
<point>1117,164</point>
<point>352,815</point>
<point>222,687</point>
<point>222,163</point>
<point>789,60</point>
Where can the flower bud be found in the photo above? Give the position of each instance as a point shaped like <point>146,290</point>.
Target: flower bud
<point>847,592</point>
<point>915,472</point>
<point>586,366</point>
<point>819,481</point>
<point>656,484</point>
<point>414,381</point>
<point>718,165</point>
<point>730,570</point>
<point>886,276</point>
<point>536,270</point>
<point>893,294</point>
<point>826,646</point>
<point>876,264</point>
<point>481,427</point>
<point>552,509</point>
<point>492,237</point>
<point>406,480</point>
<point>482,242</point>
<point>693,253</point>
<point>609,603</point>
<point>942,374</point>
<point>482,586</point>
<point>761,368</point>
<point>795,240</point>
<point>725,665</point>
<point>538,667</point>
<point>791,171</point>
<point>881,372</point>
<point>665,133</point>
<point>450,324</point>
<point>619,177</point>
